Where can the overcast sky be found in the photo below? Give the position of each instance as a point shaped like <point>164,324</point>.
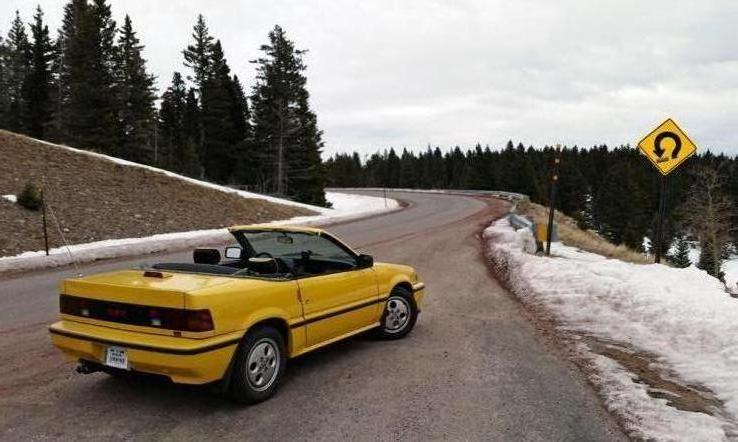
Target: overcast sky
<point>409,73</point>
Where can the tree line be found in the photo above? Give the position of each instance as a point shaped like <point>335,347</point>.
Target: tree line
<point>89,87</point>
<point>613,191</point>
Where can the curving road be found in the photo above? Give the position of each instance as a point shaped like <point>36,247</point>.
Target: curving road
<point>473,369</point>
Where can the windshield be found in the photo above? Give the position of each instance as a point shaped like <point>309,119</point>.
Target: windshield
<point>294,245</point>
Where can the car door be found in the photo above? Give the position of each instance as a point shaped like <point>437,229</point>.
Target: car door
<point>338,303</point>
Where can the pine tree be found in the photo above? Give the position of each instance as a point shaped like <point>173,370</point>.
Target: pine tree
<point>87,99</point>
<point>59,93</point>
<point>220,130</point>
<point>478,174</point>
<point>4,85</point>
<point>178,150</point>
<point>134,95</point>
<point>192,129</point>
<point>67,66</point>
<point>285,128</point>
<point>198,56</point>
<point>247,168</point>
<point>408,178</point>
<point>680,257</point>
<point>17,67</point>
<point>710,262</point>
<point>239,109</point>
<point>39,85</point>
<point>101,128</point>
<point>622,220</point>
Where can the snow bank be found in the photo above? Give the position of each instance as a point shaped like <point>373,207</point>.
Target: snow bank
<point>345,207</point>
<point>683,316</point>
<point>730,265</point>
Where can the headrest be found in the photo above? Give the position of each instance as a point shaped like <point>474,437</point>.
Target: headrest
<point>206,256</point>
<point>263,265</point>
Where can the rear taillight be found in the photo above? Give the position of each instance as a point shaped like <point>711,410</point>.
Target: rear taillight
<point>199,320</point>
<point>159,317</point>
<point>180,319</point>
<point>74,306</point>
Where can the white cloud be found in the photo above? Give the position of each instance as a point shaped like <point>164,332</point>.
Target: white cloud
<point>409,73</point>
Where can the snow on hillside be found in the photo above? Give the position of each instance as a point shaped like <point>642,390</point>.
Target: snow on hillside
<point>682,316</point>
<point>345,207</point>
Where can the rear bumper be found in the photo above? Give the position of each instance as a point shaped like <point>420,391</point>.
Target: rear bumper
<point>183,360</point>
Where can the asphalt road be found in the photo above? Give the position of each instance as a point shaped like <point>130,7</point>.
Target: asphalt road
<point>473,369</point>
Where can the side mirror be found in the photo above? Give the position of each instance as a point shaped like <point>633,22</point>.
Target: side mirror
<point>233,252</point>
<point>364,261</point>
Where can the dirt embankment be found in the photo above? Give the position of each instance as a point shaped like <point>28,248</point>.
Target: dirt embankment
<point>95,199</point>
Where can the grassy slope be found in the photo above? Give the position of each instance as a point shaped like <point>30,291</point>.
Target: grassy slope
<point>96,199</point>
<point>572,235</point>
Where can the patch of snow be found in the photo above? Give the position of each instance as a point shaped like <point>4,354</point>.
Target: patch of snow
<point>11,198</point>
<point>683,316</point>
<point>112,248</point>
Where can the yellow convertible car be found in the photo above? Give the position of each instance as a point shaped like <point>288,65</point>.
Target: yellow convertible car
<point>283,292</point>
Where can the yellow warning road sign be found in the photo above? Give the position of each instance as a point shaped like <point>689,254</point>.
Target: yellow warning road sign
<point>667,146</point>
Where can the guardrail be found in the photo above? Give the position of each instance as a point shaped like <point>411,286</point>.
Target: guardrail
<point>510,196</point>
<point>520,222</point>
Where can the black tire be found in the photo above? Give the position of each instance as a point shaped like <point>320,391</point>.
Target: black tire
<point>399,316</point>
<point>252,358</point>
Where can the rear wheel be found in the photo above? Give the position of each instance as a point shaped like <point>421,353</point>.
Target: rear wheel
<point>259,365</point>
<point>400,314</point>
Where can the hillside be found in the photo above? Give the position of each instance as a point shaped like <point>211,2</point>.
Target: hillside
<point>96,198</point>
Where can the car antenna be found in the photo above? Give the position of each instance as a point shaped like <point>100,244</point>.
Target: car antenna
<point>61,233</point>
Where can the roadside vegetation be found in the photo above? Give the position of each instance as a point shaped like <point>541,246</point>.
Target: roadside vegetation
<point>588,240</point>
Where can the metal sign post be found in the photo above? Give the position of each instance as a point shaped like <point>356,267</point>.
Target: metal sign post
<point>552,199</point>
<point>43,220</point>
<point>667,147</point>
<point>660,220</point>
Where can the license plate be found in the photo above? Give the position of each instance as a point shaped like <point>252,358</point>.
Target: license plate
<point>116,357</point>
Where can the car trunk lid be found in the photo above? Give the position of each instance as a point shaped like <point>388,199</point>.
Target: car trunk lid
<point>132,299</point>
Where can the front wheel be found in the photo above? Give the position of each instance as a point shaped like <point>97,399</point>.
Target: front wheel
<point>400,314</point>
<point>259,365</point>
